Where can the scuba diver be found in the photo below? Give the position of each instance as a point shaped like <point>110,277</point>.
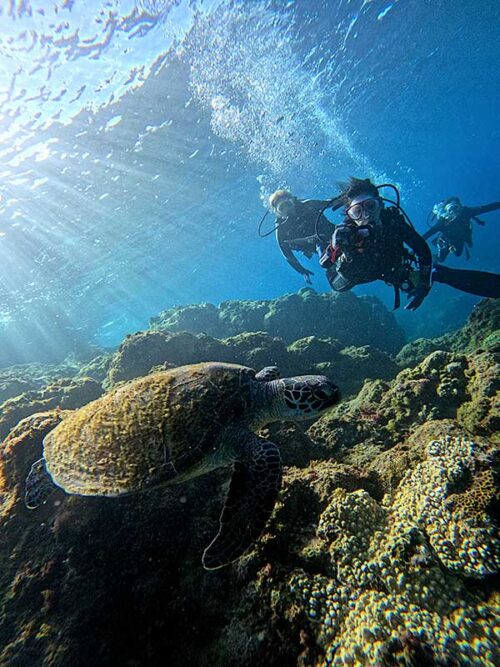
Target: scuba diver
<point>301,226</point>
<point>379,243</point>
<point>454,226</point>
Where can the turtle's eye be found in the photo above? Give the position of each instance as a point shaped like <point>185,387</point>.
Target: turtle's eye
<point>322,395</point>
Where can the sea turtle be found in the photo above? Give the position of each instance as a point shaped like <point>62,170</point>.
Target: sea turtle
<point>177,424</point>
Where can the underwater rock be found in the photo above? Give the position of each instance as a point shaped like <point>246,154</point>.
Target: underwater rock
<point>13,386</point>
<point>480,332</point>
<point>355,365</point>
<point>18,446</point>
<point>141,351</point>
<point>62,563</point>
<point>394,564</point>
<point>383,548</point>
<point>352,320</point>
<point>481,412</point>
<point>196,318</point>
<point>415,351</point>
<point>242,316</point>
<point>16,380</point>
<point>347,572</point>
<point>258,350</point>
<point>66,394</point>
<point>443,386</point>
<point>97,368</point>
<point>314,350</point>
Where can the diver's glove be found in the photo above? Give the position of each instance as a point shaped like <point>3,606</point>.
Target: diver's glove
<point>418,295</point>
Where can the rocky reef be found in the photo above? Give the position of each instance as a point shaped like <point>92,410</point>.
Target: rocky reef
<point>383,548</point>
<point>481,331</point>
<point>146,351</point>
<point>391,575</point>
<point>291,317</point>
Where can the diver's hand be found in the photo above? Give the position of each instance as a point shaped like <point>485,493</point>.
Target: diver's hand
<point>342,236</point>
<point>307,276</point>
<point>421,291</point>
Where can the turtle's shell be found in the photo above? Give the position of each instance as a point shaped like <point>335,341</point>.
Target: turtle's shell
<point>149,430</point>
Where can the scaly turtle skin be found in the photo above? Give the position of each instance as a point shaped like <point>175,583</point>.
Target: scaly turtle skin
<point>177,424</point>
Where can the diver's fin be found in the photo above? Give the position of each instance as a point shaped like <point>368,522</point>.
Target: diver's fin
<point>39,485</point>
<point>268,373</point>
<point>250,501</point>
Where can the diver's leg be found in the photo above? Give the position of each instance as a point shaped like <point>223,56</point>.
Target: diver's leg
<point>481,283</point>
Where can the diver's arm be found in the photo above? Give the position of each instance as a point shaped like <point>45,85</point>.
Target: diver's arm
<point>302,244</point>
<point>438,227</point>
<point>478,210</point>
<point>287,253</point>
<point>419,246</point>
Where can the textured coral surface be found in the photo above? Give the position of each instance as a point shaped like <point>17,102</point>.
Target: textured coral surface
<point>383,548</point>
<point>291,317</point>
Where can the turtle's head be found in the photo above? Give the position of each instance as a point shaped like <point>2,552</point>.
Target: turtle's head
<point>304,397</point>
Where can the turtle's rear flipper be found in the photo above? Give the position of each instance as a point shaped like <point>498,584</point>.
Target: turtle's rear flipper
<point>252,493</point>
<point>39,485</point>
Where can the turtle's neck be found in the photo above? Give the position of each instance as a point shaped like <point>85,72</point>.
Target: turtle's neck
<point>266,404</point>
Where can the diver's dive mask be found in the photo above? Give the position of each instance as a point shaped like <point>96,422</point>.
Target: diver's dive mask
<point>284,207</point>
<point>363,208</point>
<point>438,210</point>
<point>448,211</point>
<point>452,210</point>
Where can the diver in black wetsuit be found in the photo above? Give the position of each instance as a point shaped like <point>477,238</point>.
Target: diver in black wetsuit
<point>301,226</point>
<point>378,243</point>
<point>454,226</point>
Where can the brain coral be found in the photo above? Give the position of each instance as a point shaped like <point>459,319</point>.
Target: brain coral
<point>393,584</point>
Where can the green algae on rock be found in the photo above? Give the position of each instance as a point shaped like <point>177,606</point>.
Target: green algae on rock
<point>66,394</point>
<point>16,380</point>
<point>293,316</point>
<point>143,351</point>
<point>382,549</point>
<point>480,332</point>
<point>442,386</point>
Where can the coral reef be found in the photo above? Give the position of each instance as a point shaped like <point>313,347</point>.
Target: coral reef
<point>291,317</point>
<point>481,331</point>
<point>383,548</point>
<point>392,563</point>
<point>97,368</point>
<point>443,386</point>
<point>15,380</point>
<point>66,394</point>
<point>144,351</point>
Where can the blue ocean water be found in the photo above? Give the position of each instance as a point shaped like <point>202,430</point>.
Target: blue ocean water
<point>140,140</point>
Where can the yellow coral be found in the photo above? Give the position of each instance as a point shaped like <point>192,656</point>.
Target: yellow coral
<point>387,590</point>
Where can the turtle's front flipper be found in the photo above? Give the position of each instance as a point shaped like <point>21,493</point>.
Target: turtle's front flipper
<point>268,373</point>
<point>252,493</point>
<point>39,485</point>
